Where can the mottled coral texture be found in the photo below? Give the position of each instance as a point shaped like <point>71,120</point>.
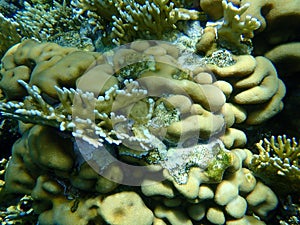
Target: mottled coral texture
<point>211,104</point>
<point>147,133</point>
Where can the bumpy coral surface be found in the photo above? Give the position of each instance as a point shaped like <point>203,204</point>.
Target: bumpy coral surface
<point>141,105</point>
<point>148,132</point>
<point>65,189</point>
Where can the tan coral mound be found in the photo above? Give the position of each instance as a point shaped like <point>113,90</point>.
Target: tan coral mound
<point>125,208</point>
<point>48,65</point>
<point>53,191</point>
<point>286,57</point>
<point>247,91</point>
<point>140,113</point>
<point>255,83</point>
<point>279,27</point>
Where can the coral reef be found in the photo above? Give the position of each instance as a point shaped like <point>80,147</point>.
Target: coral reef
<point>278,21</point>
<point>8,34</point>
<point>132,20</point>
<point>152,125</point>
<point>233,32</point>
<point>150,132</point>
<point>257,78</point>
<point>278,163</point>
<point>68,189</point>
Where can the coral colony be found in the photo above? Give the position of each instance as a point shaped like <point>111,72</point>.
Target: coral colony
<point>136,112</point>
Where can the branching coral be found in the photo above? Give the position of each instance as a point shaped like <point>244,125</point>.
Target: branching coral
<point>152,19</point>
<point>90,24</point>
<point>35,108</point>
<point>53,22</point>
<point>3,164</point>
<point>8,34</point>
<point>43,21</point>
<point>278,162</point>
<point>131,20</point>
<point>232,32</point>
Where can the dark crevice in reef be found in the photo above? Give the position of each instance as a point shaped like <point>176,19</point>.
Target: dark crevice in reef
<point>8,135</point>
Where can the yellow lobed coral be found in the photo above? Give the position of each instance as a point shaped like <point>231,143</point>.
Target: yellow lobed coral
<point>277,38</point>
<point>250,77</point>
<point>58,178</point>
<point>61,187</point>
<point>255,81</point>
<point>20,63</point>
